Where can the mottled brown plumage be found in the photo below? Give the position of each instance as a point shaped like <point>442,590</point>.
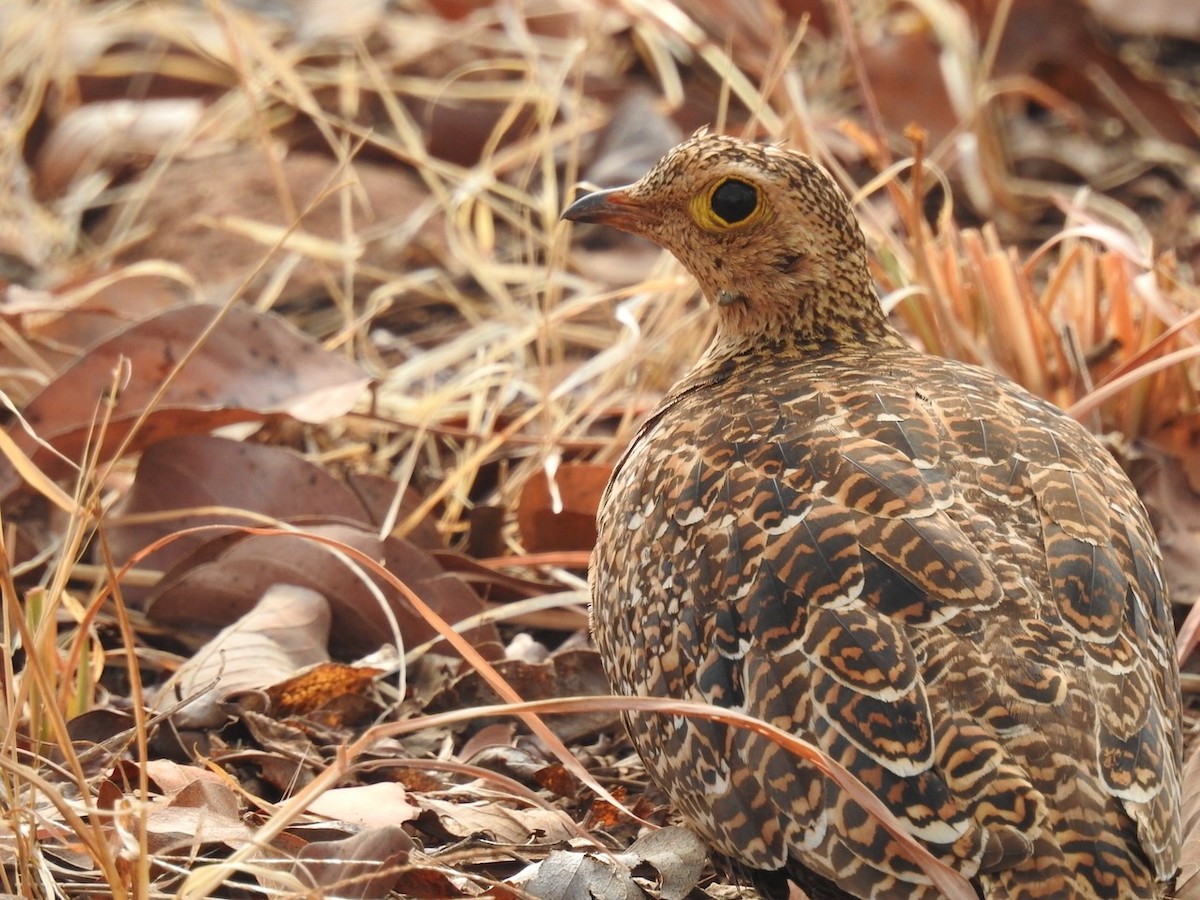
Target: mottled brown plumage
<point>939,579</point>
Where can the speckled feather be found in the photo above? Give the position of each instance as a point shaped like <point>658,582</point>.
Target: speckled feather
<point>914,564</point>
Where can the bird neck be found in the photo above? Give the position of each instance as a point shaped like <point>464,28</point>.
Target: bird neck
<point>805,317</point>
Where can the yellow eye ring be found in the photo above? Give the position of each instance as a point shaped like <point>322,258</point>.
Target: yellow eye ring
<point>729,203</point>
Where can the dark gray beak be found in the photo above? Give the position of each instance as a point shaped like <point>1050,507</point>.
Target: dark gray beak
<point>613,207</point>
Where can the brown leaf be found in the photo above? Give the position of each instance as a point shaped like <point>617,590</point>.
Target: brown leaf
<point>282,744</point>
<point>603,814</point>
<point>567,673</point>
<point>1173,501</point>
<point>427,883</point>
<point>459,129</point>
<point>224,578</point>
<point>205,470</point>
<point>251,366</point>
<point>1053,41</point>
<point>486,535</point>
<point>561,515</point>
<point>365,866</point>
<point>377,494</point>
<point>499,587</point>
<point>920,96</point>
<point>557,779</point>
<point>61,324</point>
<point>99,725</point>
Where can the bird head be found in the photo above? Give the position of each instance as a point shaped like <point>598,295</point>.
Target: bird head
<point>765,231</point>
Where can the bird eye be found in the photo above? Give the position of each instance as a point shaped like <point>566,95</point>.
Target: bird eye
<point>733,201</point>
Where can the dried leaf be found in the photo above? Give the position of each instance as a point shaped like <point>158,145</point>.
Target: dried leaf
<point>567,876</point>
<point>220,215</point>
<point>678,856</point>
<point>1174,506</point>
<point>497,735</point>
<point>365,866</point>
<point>252,365</point>
<point>222,580</point>
<point>369,805</point>
<point>560,514</point>
<point>567,673</point>
<point>204,470</point>
<point>499,587</point>
<point>318,687</point>
<point>426,882</point>
<point>170,777</point>
<point>556,779</point>
<point>112,134</point>
<point>497,822</point>
<point>62,324</point>
<point>377,495</point>
<point>637,135</point>
<point>202,812</point>
<point>1152,17</point>
<point>287,630</point>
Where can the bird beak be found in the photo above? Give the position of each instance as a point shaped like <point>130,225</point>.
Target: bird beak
<point>613,207</point>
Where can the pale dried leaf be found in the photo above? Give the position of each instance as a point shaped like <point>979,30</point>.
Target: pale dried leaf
<point>287,630</point>
<point>112,133</point>
<point>568,876</point>
<point>678,856</point>
<point>200,813</point>
<point>638,134</point>
<point>498,822</point>
<point>368,805</point>
<point>171,777</point>
<point>1151,17</point>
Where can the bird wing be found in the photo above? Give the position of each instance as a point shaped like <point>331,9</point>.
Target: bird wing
<point>938,603</point>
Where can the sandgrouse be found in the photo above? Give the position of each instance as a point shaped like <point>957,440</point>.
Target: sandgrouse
<point>939,579</point>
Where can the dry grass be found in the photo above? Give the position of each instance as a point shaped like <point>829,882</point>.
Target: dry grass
<point>496,359</point>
